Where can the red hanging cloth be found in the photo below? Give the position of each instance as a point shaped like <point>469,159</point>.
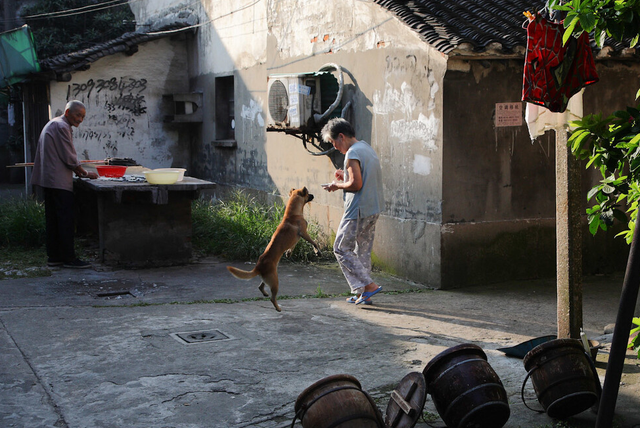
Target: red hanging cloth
<point>553,73</point>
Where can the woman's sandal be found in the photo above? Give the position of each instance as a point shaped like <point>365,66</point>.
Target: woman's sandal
<point>366,295</point>
<point>353,299</point>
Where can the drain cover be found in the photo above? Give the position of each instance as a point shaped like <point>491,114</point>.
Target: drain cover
<point>115,293</point>
<point>200,336</point>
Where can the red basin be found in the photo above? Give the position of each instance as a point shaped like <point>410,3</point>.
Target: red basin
<point>111,170</point>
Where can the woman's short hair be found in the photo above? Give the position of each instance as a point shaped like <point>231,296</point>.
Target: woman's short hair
<point>335,127</point>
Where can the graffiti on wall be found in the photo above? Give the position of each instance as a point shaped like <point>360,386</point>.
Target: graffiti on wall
<point>408,114</point>
<point>113,85</point>
<point>252,119</point>
<point>400,105</point>
<point>115,107</point>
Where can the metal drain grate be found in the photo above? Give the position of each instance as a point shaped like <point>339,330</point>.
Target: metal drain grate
<point>194,337</point>
<point>115,293</point>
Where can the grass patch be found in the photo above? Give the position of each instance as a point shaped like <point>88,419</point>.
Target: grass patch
<point>22,238</point>
<point>239,228</point>
<point>22,223</point>
<point>17,262</point>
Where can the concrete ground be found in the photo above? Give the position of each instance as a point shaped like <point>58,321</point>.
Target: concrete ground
<point>106,347</point>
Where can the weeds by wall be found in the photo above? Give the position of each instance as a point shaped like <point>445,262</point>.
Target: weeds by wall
<point>240,228</point>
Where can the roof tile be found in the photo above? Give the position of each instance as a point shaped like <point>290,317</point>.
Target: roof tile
<point>484,24</point>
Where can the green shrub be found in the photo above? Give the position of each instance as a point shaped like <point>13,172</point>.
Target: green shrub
<point>240,228</point>
<point>635,340</point>
<point>22,223</point>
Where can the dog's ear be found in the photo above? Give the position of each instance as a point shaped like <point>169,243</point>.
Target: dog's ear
<point>305,192</point>
<point>291,191</point>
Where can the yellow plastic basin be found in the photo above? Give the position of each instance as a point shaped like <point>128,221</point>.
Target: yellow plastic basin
<point>180,170</point>
<point>161,177</point>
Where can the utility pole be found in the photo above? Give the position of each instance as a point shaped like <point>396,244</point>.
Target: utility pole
<point>568,239</point>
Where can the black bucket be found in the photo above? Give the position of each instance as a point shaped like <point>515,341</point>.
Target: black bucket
<point>466,390</point>
<point>563,376</point>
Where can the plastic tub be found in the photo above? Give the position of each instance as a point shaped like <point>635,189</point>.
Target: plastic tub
<point>111,170</point>
<point>161,177</point>
<point>180,170</point>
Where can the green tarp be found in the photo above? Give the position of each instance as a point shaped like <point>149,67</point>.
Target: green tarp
<point>18,56</point>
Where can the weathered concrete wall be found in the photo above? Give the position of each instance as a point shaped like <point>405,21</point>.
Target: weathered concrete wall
<point>466,202</point>
<point>393,82</point>
<point>499,186</point>
<point>125,108</point>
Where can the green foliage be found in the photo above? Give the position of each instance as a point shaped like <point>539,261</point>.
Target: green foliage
<point>240,228</point>
<point>618,19</point>
<point>56,34</point>
<point>22,223</point>
<point>321,294</point>
<point>611,146</point>
<point>635,341</point>
<point>22,237</point>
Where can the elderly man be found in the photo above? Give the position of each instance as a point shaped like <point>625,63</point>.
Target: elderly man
<point>54,165</point>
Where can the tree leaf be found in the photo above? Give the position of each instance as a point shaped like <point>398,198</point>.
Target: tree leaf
<point>593,159</point>
<point>594,224</point>
<point>587,22</point>
<point>569,31</point>
<point>620,216</point>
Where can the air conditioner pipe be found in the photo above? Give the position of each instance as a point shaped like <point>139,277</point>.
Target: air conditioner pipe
<point>327,67</point>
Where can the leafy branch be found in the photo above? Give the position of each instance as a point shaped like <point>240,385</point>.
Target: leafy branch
<point>618,19</point>
<point>610,144</point>
<point>635,340</point>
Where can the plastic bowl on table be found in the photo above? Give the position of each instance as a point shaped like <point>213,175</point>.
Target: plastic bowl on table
<point>111,170</point>
<point>180,170</point>
<point>161,177</point>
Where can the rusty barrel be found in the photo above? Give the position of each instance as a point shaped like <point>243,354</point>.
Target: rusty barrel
<point>337,401</point>
<point>564,378</point>
<point>465,389</point>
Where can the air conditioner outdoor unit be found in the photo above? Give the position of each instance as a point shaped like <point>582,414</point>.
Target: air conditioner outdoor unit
<point>293,100</point>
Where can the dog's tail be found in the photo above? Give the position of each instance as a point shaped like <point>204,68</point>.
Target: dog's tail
<point>242,274</point>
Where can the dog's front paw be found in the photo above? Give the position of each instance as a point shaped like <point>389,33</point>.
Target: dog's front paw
<point>317,252</point>
<point>287,253</point>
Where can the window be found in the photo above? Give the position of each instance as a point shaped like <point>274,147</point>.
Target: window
<point>225,108</point>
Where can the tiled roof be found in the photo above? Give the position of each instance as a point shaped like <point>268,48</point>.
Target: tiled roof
<point>474,27</point>
<point>172,21</point>
<point>79,60</point>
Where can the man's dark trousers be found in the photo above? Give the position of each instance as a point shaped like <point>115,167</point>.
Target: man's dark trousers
<point>60,224</point>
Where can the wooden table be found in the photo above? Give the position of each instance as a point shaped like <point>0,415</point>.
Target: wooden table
<point>139,224</point>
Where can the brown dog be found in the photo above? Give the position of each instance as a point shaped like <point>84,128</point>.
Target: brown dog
<point>292,227</point>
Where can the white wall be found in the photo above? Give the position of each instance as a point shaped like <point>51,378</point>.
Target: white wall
<point>125,111</point>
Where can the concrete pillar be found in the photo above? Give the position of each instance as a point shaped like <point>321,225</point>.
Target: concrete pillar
<point>568,239</point>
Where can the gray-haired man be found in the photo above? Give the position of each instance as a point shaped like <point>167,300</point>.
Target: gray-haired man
<point>53,168</point>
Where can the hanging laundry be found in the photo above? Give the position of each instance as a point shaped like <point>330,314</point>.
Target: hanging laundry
<point>553,73</point>
<point>539,119</point>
